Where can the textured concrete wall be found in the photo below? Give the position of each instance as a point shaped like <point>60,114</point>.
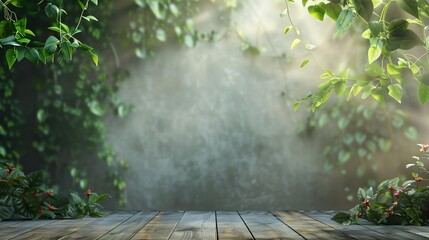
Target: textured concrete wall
<point>214,128</point>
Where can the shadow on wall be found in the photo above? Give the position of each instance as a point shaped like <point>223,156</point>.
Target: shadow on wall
<point>214,128</point>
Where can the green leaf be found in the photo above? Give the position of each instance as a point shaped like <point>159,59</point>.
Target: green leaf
<point>52,11</point>
<point>411,133</point>
<point>317,11</point>
<point>90,18</point>
<point>85,47</point>
<point>342,218</point>
<point>409,6</point>
<point>343,156</point>
<point>287,29</point>
<point>339,87</point>
<point>6,212</point>
<point>366,34</point>
<point>160,35</point>
<point>21,25</point>
<point>294,43</point>
<point>41,115</point>
<point>397,25</point>
<point>304,63</point>
<point>364,8</point>
<point>95,2</point>
<point>189,41</point>
<point>11,40</point>
<point>367,91</point>
<point>173,9</point>
<point>374,51</point>
<point>66,50</point>
<point>361,194</point>
<point>82,6</point>
<point>304,2</point>
<point>296,106</point>
<point>344,21</point>
<point>376,28</point>
<point>51,45</point>
<point>11,55</point>
<point>96,108</point>
<point>395,91</point>
<point>405,40</point>
<point>333,10</point>
<point>94,58</point>
<point>2,151</point>
<point>32,55</point>
<point>423,93</point>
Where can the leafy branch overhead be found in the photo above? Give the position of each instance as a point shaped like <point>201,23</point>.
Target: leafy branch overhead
<point>390,37</point>
<point>21,42</point>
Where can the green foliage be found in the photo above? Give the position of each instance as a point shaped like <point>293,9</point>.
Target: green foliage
<point>390,65</point>
<point>20,40</point>
<point>23,196</point>
<point>156,21</point>
<point>357,133</point>
<point>392,203</point>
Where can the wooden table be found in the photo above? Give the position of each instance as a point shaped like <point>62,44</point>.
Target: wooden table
<point>206,225</point>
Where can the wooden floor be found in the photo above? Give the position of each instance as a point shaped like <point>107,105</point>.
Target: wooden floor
<point>206,225</point>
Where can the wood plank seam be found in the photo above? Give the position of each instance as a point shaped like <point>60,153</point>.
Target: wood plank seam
<point>175,226</point>
<point>146,224</point>
<point>217,229</point>
<point>287,225</point>
<point>129,219</point>
<point>29,230</point>
<point>246,225</point>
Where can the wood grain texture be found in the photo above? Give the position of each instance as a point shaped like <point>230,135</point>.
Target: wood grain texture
<point>160,227</point>
<point>230,226</point>
<point>196,225</point>
<point>356,231</point>
<point>393,232</point>
<point>9,223</point>
<point>56,230</point>
<point>101,226</point>
<point>26,226</point>
<point>263,225</point>
<point>308,227</point>
<point>130,227</point>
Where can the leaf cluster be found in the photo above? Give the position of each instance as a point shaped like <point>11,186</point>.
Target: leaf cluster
<point>23,196</point>
<point>392,202</point>
<point>22,41</point>
<point>390,64</point>
<point>357,133</point>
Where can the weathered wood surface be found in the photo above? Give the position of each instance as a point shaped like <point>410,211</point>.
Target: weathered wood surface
<point>215,225</point>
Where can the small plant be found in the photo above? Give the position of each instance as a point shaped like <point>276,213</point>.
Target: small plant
<point>394,203</point>
<point>22,196</point>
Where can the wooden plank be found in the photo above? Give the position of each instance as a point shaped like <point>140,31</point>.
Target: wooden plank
<point>196,225</point>
<point>356,231</point>
<point>56,230</point>
<point>160,227</point>
<point>393,232</point>
<point>25,226</point>
<point>308,227</point>
<point>101,226</point>
<point>8,223</point>
<point>230,226</point>
<point>263,225</point>
<point>131,226</point>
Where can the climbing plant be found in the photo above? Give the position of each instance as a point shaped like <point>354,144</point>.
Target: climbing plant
<point>59,127</point>
<point>392,29</point>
